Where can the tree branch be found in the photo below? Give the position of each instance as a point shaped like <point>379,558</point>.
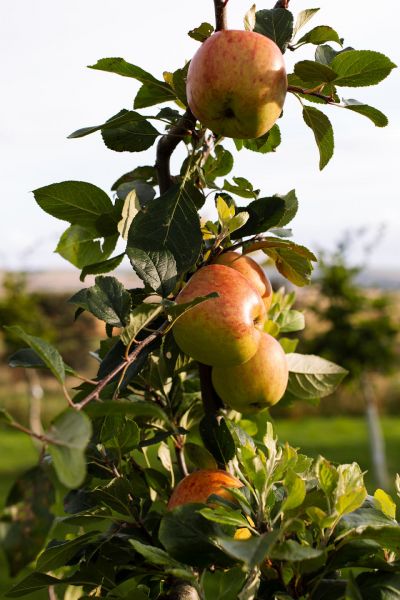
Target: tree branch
<point>167,145</point>
<point>95,394</point>
<point>220,14</point>
<point>282,4</point>
<point>211,401</point>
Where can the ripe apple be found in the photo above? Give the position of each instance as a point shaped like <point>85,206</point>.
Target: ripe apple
<point>236,83</point>
<point>199,485</point>
<point>222,331</point>
<point>251,270</point>
<point>256,384</point>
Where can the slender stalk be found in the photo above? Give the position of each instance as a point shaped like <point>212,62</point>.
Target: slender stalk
<point>95,394</point>
<point>298,90</point>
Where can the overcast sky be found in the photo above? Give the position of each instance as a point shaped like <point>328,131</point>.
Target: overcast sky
<point>48,92</point>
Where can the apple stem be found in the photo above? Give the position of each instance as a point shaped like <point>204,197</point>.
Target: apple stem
<point>220,14</point>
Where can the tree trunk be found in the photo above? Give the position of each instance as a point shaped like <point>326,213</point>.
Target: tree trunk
<point>376,439</point>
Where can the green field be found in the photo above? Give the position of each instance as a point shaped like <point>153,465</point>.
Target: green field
<point>338,439</point>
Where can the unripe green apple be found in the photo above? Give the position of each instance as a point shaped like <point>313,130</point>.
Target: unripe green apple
<point>222,331</point>
<point>251,270</point>
<point>236,83</point>
<point>256,384</point>
<point>199,485</point>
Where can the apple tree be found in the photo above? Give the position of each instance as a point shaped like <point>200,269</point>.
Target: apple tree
<point>251,517</point>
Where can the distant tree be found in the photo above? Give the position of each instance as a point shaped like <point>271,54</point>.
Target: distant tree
<point>359,331</point>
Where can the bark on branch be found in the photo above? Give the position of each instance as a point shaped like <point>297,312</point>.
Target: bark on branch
<point>282,4</point>
<point>167,145</point>
<point>220,14</point>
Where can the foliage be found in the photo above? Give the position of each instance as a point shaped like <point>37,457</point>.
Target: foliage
<point>150,414</point>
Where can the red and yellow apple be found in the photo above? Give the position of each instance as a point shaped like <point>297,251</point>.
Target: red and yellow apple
<point>256,384</point>
<point>222,331</point>
<point>198,486</point>
<point>236,83</point>
<point>251,270</point>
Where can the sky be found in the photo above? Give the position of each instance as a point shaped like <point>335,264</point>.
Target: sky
<point>48,92</point>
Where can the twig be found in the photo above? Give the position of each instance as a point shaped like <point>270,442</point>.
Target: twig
<point>282,4</point>
<point>166,146</point>
<point>220,14</point>
<point>38,436</point>
<point>180,458</point>
<point>95,394</point>
<point>298,90</point>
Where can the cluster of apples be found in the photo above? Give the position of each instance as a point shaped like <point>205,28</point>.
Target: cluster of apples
<point>249,366</point>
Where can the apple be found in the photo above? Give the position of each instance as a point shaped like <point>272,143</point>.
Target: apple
<point>236,83</point>
<point>251,270</point>
<point>199,485</point>
<point>222,331</point>
<point>256,384</point>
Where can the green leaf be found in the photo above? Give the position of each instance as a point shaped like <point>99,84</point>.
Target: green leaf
<point>385,503</point>
<point>156,268</point>
<point>252,551</point>
<point>321,127</point>
<point>294,552</point>
<point>302,19</point>
<point>130,208</point>
<point>225,516</point>
<point>104,266</point>
<point>139,318</point>
<point>49,355</point>
<point>29,359</point>
<point>146,174</point>
<point>107,300</point>
<point>28,518</point>
<point>314,72</point>
<point>217,438</point>
<point>171,223</point>
<point>157,556</point>
<point>78,202</point>
<point>379,586</point>
<point>312,376</point>
<point>33,583</point>
<point>357,68</point>
<point>241,187</point>
<point>276,24</point>
<point>319,35</point>
<point>296,491</point>
<point>218,166</point>
<point>325,54</point>
<point>263,144</point>
<point>125,117</point>
<point>292,260</point>
<point>178,83</point>
<point>133,136</point>
<point>375,115</point>
<point>200,456</point>
<point>291,321</point>
<point>264,213</point>
<point>152,92</point>
<point>78,246</point>
<point>69,435</point>
<point>175,310</point>
<point>189,537</point>
<point>350,489</point>
<point>59,555</point>
<point>327,476</point>
<point>223,585</point>
<point>201,33</point>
